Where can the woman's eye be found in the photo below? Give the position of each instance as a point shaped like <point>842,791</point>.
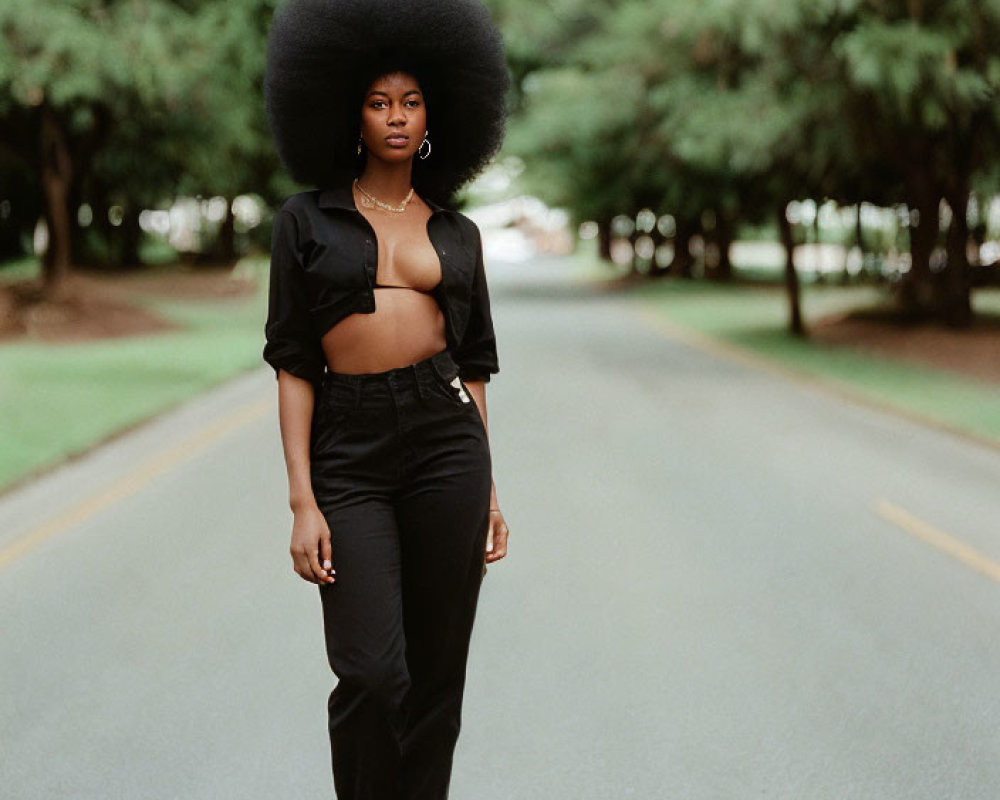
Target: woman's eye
<point>382,103</point>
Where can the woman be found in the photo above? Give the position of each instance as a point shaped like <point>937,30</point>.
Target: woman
<point>380,334</point>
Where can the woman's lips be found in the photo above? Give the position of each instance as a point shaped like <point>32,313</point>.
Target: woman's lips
<point>397,141</point>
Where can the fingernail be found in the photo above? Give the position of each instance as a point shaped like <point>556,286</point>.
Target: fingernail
<point>326,565</point>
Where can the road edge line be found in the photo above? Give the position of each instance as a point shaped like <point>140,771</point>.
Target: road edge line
<point>145,473</point>
<point>819,383</point>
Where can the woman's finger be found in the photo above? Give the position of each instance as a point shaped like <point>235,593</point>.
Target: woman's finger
<point>326,554</point>
<point>302,566</point>
<point>293,551</point>
<point>497,547</point>
<point>496,555</point>
<point>304,573</point>
<point>319,575</point>
<point>501,550</point>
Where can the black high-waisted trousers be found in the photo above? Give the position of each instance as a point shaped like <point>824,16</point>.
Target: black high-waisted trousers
<point>401,470</point>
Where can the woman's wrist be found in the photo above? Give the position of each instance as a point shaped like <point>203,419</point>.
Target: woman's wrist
<point>301,502</point>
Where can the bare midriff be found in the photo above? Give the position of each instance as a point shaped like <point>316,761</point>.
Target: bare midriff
<point>407,324</point>
<point>405,327</point>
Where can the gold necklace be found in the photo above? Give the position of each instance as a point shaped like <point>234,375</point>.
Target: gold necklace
<point>368,200</point>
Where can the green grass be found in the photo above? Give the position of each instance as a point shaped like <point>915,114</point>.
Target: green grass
<point>20,269</point>
<point>58,400</point>
<point>754,318</point>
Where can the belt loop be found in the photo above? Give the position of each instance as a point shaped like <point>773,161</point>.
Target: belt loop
<point>439,362</point>
<point>356,385</point>
<point>418,379</point>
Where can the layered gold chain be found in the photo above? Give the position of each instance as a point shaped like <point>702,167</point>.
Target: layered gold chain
<point>368,200</point>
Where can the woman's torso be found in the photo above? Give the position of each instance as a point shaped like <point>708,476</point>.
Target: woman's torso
<point>407,324</point>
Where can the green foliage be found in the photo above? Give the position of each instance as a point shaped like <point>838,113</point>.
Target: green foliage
<point>739,106</point>
<point>566,124</point>
<point>729,105</point>
<point>912,73</point>
<point>152,99</point>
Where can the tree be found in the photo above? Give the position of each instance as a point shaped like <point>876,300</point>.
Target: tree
<point>923,81</point>
<point>128,104</point>
<point>725,108</point>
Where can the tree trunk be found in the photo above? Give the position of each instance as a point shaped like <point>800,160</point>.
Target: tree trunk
<point>979,231</point>
<point>604,238</point>
<point>956,298</point>
<point>724,233</point>
<point>655,270</point>
<point>129,234</point>
<point>917,290</point>
<point>227,235</point>
<point>859,241</point>
<point>682,262</point>
<point>820,275</point>
<point>859,230</point>
<point>73,202</point>
<point>56,177</point>
<point>633,266</point>
<point>795,325</point>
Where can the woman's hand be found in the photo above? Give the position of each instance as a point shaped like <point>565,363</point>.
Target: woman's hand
<point>310,533</point>
<point>310,548</point>
<point>496,538</point>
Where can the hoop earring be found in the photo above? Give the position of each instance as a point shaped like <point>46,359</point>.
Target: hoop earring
<point>427,142</point>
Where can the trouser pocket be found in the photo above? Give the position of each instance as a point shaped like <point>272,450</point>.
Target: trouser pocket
<point>451,386</point>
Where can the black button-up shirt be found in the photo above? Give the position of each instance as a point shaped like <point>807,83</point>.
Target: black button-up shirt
<point>324,257</point>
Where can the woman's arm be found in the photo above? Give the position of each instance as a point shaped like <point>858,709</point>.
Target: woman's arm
<point>310,531</point>
<point>496,538</point>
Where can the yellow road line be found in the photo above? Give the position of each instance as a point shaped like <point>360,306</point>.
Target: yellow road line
<point>900,518</point>
<point>937,538</point>
<point>137,479</point>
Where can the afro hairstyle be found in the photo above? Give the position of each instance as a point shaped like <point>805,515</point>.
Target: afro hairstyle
<point>323,55</point>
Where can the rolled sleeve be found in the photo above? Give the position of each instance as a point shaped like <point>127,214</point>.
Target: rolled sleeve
<point>291,341</point>
<point>476,354</point>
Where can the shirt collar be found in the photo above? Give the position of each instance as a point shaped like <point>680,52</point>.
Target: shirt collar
<point>343,197</point>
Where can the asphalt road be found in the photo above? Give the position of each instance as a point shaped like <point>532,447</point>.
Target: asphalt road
<point>721,584</point>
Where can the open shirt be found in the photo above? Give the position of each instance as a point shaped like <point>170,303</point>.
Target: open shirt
<point>324,257</point>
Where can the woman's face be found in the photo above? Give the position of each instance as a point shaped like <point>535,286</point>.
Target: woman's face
<point>393,117</point>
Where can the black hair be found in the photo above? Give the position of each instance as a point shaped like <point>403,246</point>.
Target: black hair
<point>323,55</point>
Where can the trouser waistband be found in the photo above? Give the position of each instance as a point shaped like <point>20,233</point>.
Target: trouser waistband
<point>442,363</point>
